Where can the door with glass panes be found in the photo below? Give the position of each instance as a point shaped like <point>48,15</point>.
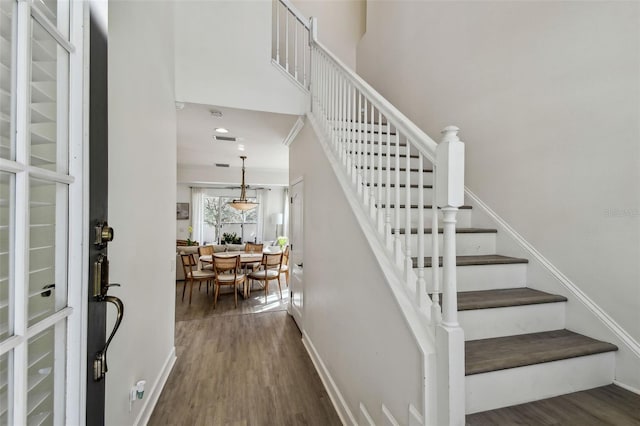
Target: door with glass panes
<point>40,211</point>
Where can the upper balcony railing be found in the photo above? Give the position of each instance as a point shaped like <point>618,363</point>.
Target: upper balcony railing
<point>290,41</point>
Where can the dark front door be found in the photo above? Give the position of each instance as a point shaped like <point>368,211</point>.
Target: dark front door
<point>98,140</point>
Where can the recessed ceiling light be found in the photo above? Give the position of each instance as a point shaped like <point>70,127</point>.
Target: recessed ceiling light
<point>221,130</point>
<point>240,147</point>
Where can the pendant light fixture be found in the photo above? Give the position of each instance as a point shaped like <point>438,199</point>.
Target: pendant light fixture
<point>243,204</point>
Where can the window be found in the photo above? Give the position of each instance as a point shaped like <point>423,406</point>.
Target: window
<point>221,219</point>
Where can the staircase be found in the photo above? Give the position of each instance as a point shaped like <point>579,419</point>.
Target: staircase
<point>516,346</point>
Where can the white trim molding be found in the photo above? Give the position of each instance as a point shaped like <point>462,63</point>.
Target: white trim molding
<point>156,390</point>
<point>390,420</point>
<point>335,395</point>
<point>295,129</point>
<point>596,310</point>
<point>364,414</point>
<point>627,387</point>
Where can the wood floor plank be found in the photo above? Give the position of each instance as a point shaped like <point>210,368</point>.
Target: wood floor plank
<point>237,367</point>
<point>604,406</point>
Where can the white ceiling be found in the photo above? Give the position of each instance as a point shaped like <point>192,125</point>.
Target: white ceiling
<point>261,133</point>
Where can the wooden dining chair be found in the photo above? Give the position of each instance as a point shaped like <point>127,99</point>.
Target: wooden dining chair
<point>253,248</point>
<point>284,268</point>
<point>227,272</point>
<point>192,273</point>
<point>270,271</point>
<point>206,251</point>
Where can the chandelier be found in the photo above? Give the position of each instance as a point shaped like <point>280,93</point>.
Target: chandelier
<point>243,204</point>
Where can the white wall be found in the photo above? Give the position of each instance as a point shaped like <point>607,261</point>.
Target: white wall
<point>223,57</point>
<point>341,24</point>
<point>142,196</point>
<point>350,314</point>
<point>208,175</point>
<point>547,96</point>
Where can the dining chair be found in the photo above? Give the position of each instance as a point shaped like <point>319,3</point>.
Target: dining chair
<point>253,248</point>
<point>284,268</point>
<point>192,273</point>
<point>227,272</point>
<point>206,251</point>
<point>270,271</point>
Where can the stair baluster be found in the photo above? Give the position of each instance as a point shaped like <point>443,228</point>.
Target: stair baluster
<point>408,261</point>
<point>397,248</point>
<point>387,230</point>
<point>420,282</point>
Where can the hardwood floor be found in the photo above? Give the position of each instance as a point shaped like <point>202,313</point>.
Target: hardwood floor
<point>604,406</point>
<point>244,366</point>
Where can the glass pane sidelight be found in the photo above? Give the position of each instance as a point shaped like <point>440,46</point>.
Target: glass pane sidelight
<point>6,68</point>
<point>44,375</point>
<point>49,101</point>
<point>7,207</point>
<point>4,389</point>
<point>34,210</point>
<point>47,265</point>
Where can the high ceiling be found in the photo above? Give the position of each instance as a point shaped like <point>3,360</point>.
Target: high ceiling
<point>261,133</point>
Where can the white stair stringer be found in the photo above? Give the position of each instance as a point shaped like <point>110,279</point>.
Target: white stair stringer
<point>512,320</point>
<point>503,388</point>
<point>418,318</point>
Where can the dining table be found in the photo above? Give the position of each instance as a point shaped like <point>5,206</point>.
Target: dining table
<point>246,258</point>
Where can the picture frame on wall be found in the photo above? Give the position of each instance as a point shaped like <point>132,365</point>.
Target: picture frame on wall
<point>182,211</point>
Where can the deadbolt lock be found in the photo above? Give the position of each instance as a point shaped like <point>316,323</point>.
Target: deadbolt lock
<point>104,234</point>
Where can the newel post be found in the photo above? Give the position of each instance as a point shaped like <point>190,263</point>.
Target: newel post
<point>449,335</point>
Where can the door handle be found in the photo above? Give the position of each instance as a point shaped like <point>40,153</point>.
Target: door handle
<point>100,361</point>
<point>299,264</point>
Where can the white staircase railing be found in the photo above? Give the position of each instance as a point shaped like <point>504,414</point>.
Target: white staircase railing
<point>374,142</point>
<point>290,41</point>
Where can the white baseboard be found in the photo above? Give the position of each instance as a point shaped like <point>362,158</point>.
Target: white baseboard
<point>329,384</point>
<point>364,414</point>
<point>627,387</point>
<point>415,418</point>
<point>156,389</point>
<point>596,310</point>
<point>390,420</point>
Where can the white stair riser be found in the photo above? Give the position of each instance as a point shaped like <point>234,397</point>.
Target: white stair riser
<point>485,277</point>
<point>463,217</point>
<point>466,244</point>
<point>513,386</point>
<point>338,124</point>
<point>427,194</point>
<point>414,162</point>
<point>512,320</point>
<point>427,177</point>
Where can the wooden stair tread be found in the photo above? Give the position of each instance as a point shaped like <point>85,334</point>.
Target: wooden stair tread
<point>393,169</point>
<point>483,259</point>
<point>500,353</point>
<point>402,185</point>
<point>458,231</point>
<point>384,154</point>
<point>486,299</point>
<point>415,206</point>
<point>605,405</point>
